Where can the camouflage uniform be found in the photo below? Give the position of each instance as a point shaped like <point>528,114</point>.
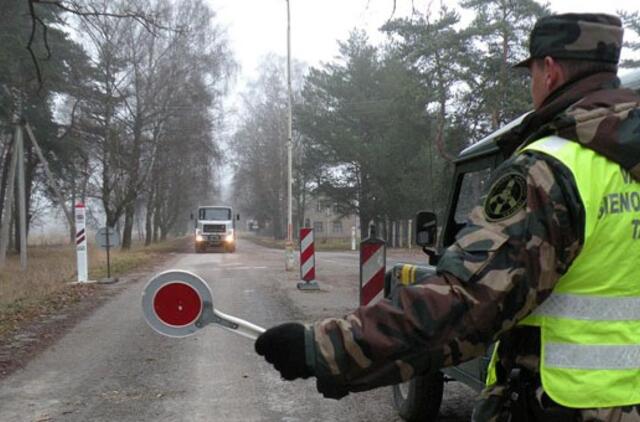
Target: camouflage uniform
<point>501,267</point>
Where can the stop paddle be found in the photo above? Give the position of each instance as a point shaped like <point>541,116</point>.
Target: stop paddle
<point>178,303</point>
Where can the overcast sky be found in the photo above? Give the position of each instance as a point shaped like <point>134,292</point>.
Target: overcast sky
<point>258,27</point>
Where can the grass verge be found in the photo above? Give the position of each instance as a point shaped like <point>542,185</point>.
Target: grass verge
<point>44,287</point>
<point>321,244</point>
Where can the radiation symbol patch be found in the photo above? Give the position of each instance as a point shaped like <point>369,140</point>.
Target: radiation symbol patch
<point>507,196</point>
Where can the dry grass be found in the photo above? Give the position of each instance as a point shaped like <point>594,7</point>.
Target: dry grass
<point>334,244</point>
<point>321,244</point>
<point>50,269</point>
<point>268,242</point>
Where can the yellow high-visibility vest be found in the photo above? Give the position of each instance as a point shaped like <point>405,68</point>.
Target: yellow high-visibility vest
<point>590,325</point>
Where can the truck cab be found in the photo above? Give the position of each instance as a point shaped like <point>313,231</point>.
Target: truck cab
<point>419,399</point>
<point>215,227</point>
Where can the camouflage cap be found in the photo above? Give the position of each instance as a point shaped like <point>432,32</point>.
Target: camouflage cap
<point>578,36</point>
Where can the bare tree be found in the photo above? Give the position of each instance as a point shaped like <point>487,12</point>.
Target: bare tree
<point>156,97</point>
<point>260,149</point>
<point>82,9</point>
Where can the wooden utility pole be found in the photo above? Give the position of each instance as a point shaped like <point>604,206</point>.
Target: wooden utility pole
<point>8,203</point>
<point>22,200</point>
<point>50,179</point>
<point>17,168</point>
<point>289,259</point>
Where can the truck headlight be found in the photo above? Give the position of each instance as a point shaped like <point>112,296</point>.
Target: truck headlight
<point>229,238</point>
<point>199,238</point>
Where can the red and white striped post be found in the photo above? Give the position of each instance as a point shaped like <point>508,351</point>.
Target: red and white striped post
<point>307,260</point>
<point>372,268</point>
<point>81,244</point>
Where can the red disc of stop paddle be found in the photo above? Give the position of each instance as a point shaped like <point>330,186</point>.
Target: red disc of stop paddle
<point>177,304</point>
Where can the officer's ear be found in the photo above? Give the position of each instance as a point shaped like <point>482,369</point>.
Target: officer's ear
<point>554,75</point>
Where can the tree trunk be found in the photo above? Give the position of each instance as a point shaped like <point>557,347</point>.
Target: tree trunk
<point>442,114</point>
<point>156,225</point>
<point>74,195</point>
<point>132,194</point>
<point>365,205</point>
<point>128,226</point>
<point>12,224</point>
<point>365,221</point>
<point>139,230</point>
<point>30,165</point>
<point>6,159</point>
<point>16,219</point>
<point>148,225</point>
<point>276,220</point>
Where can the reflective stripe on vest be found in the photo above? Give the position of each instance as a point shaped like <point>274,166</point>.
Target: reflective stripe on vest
<point>590,325</point>
<point>590,308</point>
<point>580,356</point>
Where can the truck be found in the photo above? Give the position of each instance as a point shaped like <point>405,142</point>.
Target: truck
<point>215,227</point>
<point>419,399</point>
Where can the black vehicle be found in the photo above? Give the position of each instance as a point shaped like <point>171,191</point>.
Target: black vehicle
<point>420,398</point>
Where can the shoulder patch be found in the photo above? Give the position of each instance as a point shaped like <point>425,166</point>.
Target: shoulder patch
<point>507,196</point>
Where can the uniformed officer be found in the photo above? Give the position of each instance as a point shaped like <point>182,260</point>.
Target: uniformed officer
<point>547,265</point>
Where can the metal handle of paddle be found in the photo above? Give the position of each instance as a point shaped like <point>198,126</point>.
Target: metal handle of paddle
<point>233,324</point>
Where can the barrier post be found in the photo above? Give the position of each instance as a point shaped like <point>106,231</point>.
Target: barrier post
<point>353,238</point>
<point>372,268</point>
<point>307,260</point>
<point>81,244</point>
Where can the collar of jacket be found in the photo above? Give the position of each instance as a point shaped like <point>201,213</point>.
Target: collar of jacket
<point>592,110</point>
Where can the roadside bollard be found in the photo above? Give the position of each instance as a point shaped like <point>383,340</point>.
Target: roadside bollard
<point>372,268</point>
<point>81,244</point>
<point>353,238</point>
<point>307,260</point>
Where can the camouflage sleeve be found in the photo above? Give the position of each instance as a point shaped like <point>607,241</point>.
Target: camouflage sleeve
<point>505,261</point>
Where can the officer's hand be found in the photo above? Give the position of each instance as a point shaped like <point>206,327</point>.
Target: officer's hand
<point>330,389</point>
<point>283,346</point>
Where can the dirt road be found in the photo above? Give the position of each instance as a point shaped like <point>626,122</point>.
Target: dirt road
<point>112,367</point>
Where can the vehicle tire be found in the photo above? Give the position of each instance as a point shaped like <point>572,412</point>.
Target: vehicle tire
<point>419,399</point>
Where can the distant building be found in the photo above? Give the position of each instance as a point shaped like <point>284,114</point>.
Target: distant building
<point>323,216</point>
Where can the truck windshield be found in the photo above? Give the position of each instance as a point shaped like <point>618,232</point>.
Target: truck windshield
<point>214,214</point>
<point>472,192</point>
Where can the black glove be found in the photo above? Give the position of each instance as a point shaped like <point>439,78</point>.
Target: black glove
<point>330,389</point>
<point>283,346</point>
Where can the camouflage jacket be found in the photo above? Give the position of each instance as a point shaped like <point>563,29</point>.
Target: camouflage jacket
<point>497,271</point>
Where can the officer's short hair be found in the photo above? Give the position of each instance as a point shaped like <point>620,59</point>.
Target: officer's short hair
<point>574,69</point>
